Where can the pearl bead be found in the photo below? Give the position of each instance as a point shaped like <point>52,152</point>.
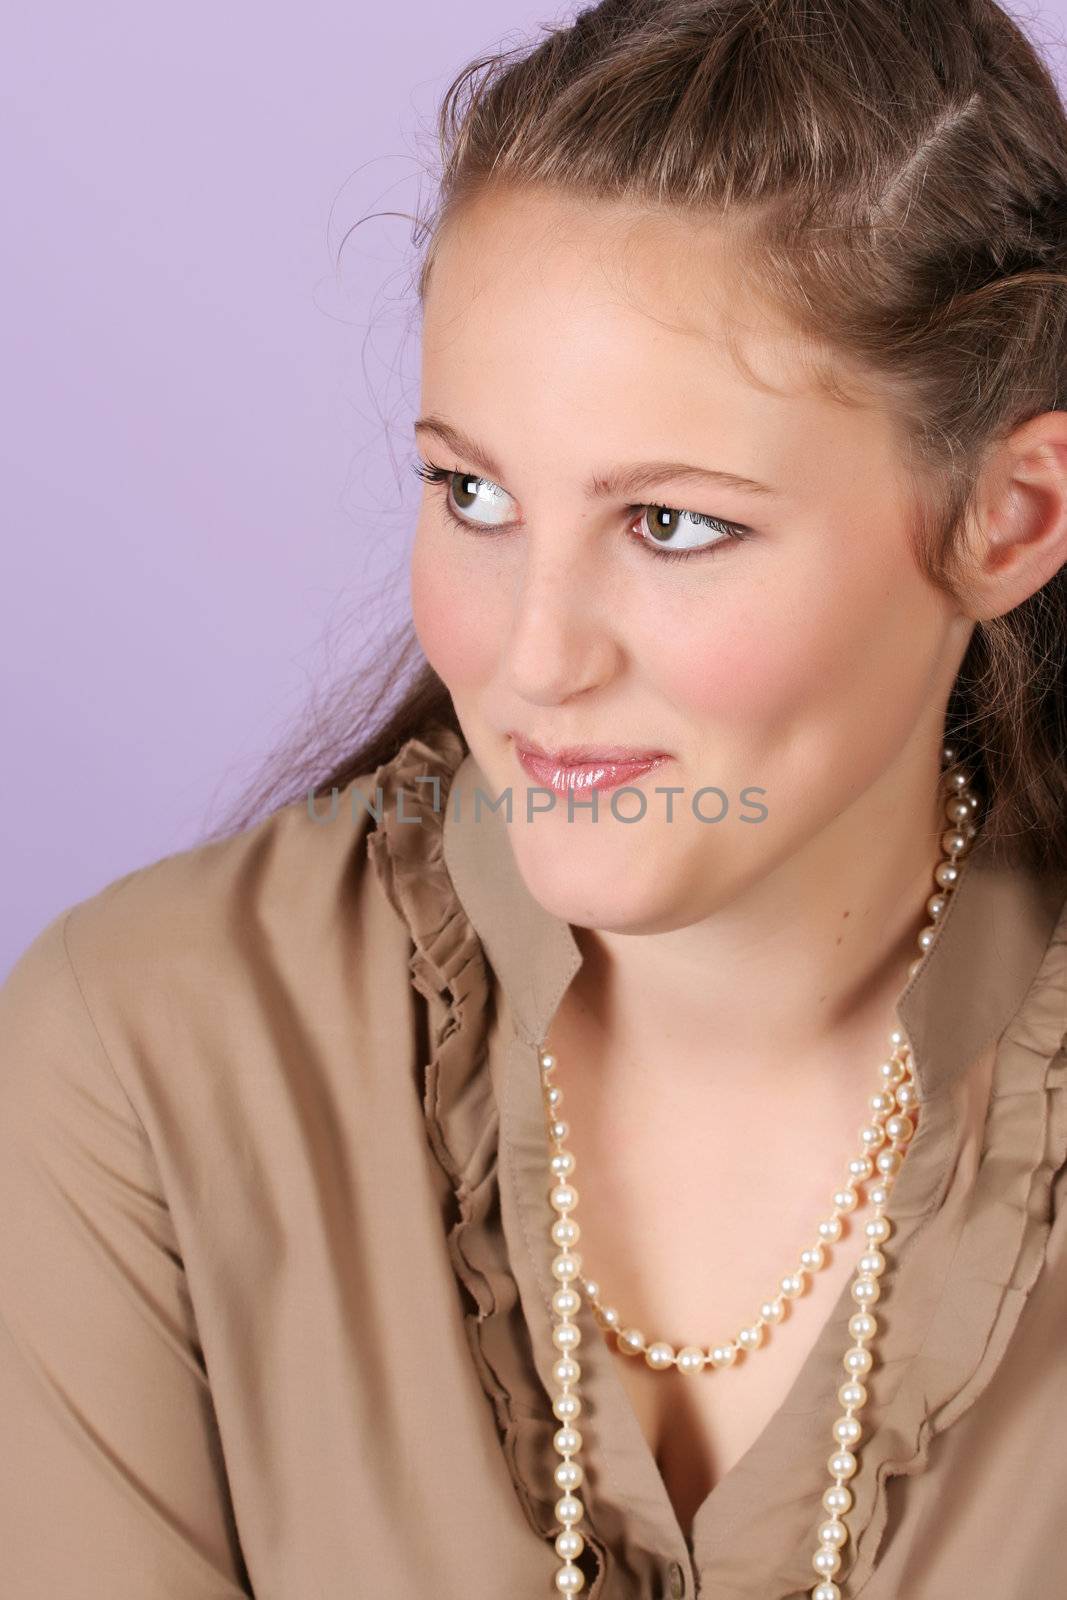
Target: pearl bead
<point>631,1341</point>
<point>690,1359</point>
<point>555,1095</point>
<point>947,874</point>
<point>878,1193</point>
<point>565,1302</point>
<point>814,1258</point>
<point>548,1061</point>
<point>562,1163</point>
<point>568,1475</point>
<point>842,1464</point>
<point>569,1509</point>
<point>860,1167</point>
<point>878,1228</point>
<point>865,1291</point>
<point>570,1580</point>
<point>792,1285</point>
<point>845,1199</point>
<point>723,1355</point>
<point>564,1196</point>
<point>566,1335</point>
<point>565,1231</point>
<point>772,1311</point>
<point>899,1128</point>
<point>857,1360</point>
<point>659,1355</point>
<point>872,1134</point>
<point>751,1338</point>
<point>827,1590</point>
<point>566,1370</point>
<point>567,1407</point>
<point>568,1441</point>
<point>569,1544</point>
<point>830,1229</point>
<point>833,1533</point>
<point>566,1266</point>
<point>872,1262</point>
<point>862,1325</point>
<point>826,1560</point>
<point>837,1498</point>
<point>592,1288</point>
<point>847,1431</point>
<point>854,1394</point>
<point>610,1317</point>
<point>889,1162</point>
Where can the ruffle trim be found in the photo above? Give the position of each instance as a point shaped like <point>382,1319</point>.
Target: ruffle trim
<point>1000,1250</point>
<point>448,968</point>
<point>447,965</point>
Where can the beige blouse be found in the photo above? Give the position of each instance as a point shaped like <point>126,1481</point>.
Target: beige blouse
<point>274,1255</point>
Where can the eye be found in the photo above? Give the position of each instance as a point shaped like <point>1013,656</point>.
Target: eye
<point>463,488</point>
<point>667,522</point>
<point>470,493</point>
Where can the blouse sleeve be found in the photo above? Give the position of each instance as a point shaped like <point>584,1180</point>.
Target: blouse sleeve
<point>112,1481</point>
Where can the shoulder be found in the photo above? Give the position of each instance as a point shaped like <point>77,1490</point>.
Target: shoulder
<point>196,914</point>
<point>213,950</point>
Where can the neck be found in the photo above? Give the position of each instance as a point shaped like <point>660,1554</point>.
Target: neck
<point>796,973</point>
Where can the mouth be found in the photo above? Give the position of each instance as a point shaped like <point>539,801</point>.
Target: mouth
<point>582,767</point>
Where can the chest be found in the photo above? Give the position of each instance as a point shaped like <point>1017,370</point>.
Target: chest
<point>699,1426</point>
<point>690,1216</point>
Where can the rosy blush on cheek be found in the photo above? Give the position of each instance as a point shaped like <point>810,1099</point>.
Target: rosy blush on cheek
<point>450,621</point>
<point>725,674</point>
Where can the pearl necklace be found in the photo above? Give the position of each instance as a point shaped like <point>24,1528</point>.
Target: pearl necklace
<point>883,1139</point>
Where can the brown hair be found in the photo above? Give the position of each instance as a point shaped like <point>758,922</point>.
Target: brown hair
<point>897,172</point>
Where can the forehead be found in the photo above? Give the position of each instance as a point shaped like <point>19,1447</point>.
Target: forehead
<point>594,325</point>
<point>536,265</point>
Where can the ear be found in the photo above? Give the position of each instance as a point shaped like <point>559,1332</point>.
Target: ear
<point>1017,527</point>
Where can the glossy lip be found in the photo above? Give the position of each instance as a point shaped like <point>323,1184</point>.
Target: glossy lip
<point>571,777</point>
<point>584,754</point>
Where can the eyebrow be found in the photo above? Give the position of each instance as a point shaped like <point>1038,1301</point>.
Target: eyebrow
<point>626,480</point>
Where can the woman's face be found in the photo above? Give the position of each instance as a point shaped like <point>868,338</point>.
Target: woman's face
<point>798,674</point>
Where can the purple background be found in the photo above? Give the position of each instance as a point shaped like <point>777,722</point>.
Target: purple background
<point>206,418</point>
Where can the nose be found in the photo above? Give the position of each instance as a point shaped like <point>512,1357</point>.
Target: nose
<point>562,637</point>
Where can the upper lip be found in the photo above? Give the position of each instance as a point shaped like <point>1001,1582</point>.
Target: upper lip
<point>570,753</point>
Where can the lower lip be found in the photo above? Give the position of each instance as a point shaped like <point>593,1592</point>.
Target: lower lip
<point>584,775</point>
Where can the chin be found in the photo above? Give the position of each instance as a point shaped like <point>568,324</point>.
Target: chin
<point>623,889</point>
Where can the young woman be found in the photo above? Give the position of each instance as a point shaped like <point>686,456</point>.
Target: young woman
<point>606,1127</point>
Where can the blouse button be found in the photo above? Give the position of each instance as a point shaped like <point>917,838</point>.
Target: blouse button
<point>675,1581</point>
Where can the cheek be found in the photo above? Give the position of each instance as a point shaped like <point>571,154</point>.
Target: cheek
<point>449,614</point>
<point>799,646</point>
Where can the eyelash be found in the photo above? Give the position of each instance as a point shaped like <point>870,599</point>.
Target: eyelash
<point>439,476</point>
